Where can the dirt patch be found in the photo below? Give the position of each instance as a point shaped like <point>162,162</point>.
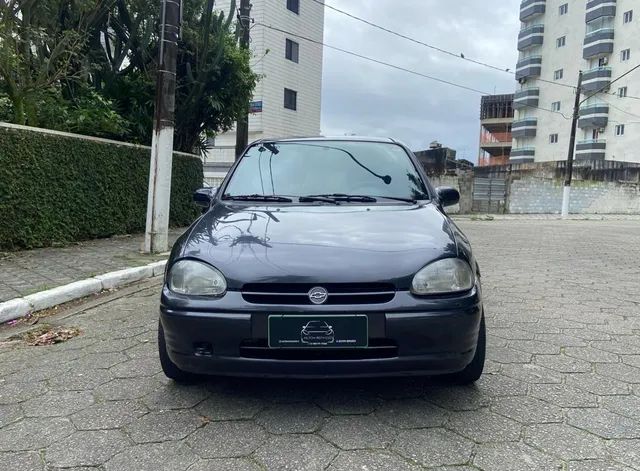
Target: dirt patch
<point>48,335</point>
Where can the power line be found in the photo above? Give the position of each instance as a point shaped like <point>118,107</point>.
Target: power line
<point>397,67</point>
<point>611,83</point>
<point>620,109</point>
<point>460,56</point>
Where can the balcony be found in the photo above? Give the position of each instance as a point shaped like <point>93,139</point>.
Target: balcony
<point>526,97</point>
<point>521,155</point>
<point>594,116</point>
<point>532,8</point>
<point>529,67</point>
<point>530,37</point>
<point>524,128</point>
<point>597,9</point>
<point>596,79</point>
<point>598,42</point>
<point>593,149</point>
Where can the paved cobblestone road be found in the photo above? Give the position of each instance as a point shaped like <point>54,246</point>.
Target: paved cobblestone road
<point>561,390</point>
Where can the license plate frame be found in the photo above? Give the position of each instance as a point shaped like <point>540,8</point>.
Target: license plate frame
<point>339,331</point>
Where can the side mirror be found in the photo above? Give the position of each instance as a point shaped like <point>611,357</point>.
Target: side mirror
<point>448,196</point>
<point>204,196</point>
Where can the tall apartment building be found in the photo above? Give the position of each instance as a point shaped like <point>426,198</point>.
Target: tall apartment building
<point>496,118</point>
<point>286,101</point>
<point>558,39</point>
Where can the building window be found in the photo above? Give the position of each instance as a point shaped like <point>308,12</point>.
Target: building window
<point>553,138</point>
<point>292,50</point>
<point>628,16</point>
<point>603,61</point>
<point>622,92</point>
<point>558,74</point>
<point>620,130</point>
<point>564,9</point>
<point>561,42</point>
<point>625,55</point>
<point>294,6</point>
<point>555,106</point>
<point>290,99</point>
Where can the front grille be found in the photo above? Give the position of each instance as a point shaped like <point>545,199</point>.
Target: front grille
<point>339,293</point>
<point>378,348</point>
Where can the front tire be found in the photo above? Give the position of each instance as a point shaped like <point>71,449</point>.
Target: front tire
<point>169,368</point>
<point>473,371</point>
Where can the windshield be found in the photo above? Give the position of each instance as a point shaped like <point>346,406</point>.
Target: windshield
<point>298,169</point>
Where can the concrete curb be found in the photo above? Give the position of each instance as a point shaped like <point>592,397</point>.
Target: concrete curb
<point>20,307</point>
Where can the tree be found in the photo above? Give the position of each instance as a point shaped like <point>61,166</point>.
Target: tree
<point>89,66</point>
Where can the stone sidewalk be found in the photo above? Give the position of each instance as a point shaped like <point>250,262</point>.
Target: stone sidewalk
<point>30,271</point>
<point>561,389</point>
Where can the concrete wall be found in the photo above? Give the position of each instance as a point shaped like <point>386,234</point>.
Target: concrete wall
<point>544,196</point>
<point>462,183</point>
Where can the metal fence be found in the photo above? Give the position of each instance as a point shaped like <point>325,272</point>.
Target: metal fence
<point>489,195</point>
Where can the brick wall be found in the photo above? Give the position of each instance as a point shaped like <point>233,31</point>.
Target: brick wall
<point>544,196</point>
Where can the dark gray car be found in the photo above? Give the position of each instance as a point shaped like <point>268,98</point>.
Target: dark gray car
<point>347,233</point>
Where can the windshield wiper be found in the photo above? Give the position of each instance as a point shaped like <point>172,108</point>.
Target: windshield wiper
<point>397,198</point>
<point>345,197</point>
<point>312,199</point>
<point>271,198</point>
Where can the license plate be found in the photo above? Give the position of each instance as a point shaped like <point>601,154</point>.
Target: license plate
<point>286,331</point>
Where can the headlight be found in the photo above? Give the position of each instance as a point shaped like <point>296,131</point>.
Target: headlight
<point>449,275</point>
<point>196,278</point>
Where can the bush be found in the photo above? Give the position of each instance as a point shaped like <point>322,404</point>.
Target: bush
<point>58,189</point>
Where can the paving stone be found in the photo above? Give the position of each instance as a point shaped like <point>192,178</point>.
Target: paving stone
<point>353,432</point>
<point>500,385</point>
<point>107,415</point>
<point>34,433</point>
<point>603,423</point>
<point>295,453</point>
<point>508,355</point>
<point>565,441</point>
<point>628,406</point>
<point>485,426</point>
<point>57,403</point>
<point>24,461</point>
<point>534,346</point>
<point>528,410</point>
<point>98,361</point>
<point>227,439</point>
<point>597,465</point>
<point>369,460</point>
<point>563,396</point>
<point>79,380</point>
<point>531,373</point>
<point>625,451</point>
<point>163,426</point>
<point>226,407</point>
<point>598,384</point>
<point>225,464</point>
<point>291,418</point>
<point>563,363</point>
<point>148,366</point>
<point>10,413</point>
<point>176,396</point>
<point>347,401</point>
<point>592,355</point>
<point>411,413</point>
<point>14,393</point>
<point>513,457</point>
<point>86,448</point>
<point>458,398</point>
<point>127,388</point>
<point>433,447</point>
<point>170,456</point>
<point>619,371</point>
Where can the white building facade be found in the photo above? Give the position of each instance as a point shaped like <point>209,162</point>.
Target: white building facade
<point>558,39</point>
<point>287,98</point>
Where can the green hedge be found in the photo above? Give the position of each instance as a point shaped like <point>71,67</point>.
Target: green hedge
<point>58,189</point>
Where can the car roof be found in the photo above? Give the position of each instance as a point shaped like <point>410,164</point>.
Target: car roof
<point>329,138</point>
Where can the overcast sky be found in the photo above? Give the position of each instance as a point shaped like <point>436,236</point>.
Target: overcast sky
<point>369,99</point>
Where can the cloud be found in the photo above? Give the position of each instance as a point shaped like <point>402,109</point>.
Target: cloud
<point>370,99</point>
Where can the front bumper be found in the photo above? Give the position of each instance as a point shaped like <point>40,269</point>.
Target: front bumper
<point>407,336</point>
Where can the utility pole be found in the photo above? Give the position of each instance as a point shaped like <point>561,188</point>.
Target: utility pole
<point>566,193</point>
<point>157,228</point>
<point>243,29</point>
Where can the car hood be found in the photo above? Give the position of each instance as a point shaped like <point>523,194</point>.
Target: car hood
<point>319,244</point>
